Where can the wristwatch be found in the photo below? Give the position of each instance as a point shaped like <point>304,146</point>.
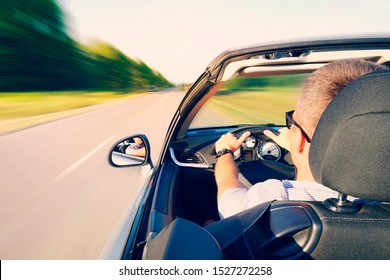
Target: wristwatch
<point>223,151</point>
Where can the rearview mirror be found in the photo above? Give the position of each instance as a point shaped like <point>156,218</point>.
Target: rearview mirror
<point>131,151</point>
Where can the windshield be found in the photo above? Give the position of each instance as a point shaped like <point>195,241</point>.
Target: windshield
<point>251,100</point>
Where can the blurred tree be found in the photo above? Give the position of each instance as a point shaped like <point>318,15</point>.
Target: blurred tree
<point>152,77</point>
<point>240,82</point>
<point>112,69</point>
<point>36,53</point>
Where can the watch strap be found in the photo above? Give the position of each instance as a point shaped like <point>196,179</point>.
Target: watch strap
<point>223,151</point>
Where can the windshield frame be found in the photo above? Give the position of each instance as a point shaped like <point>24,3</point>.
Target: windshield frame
<point>210,80</point>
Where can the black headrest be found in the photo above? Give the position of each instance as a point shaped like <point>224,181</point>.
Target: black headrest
<point>350,151</point>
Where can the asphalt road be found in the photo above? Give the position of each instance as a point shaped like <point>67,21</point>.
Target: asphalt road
<point>59,197</point>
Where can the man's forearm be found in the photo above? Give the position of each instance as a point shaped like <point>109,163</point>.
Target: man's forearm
<point>226,171</point>
<point>226,174</point>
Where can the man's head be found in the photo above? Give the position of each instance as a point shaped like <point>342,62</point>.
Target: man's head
<point>317,92</point>
<point>323,84</point>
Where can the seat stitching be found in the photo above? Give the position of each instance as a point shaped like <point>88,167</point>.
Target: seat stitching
<point>355,219</point>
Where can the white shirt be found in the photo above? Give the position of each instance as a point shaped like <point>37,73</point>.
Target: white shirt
<point>235,200</point>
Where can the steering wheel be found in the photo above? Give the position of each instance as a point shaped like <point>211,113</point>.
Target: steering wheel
<point>262,168</point>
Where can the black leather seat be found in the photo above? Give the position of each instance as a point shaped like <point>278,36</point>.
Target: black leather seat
<point>350,153</point>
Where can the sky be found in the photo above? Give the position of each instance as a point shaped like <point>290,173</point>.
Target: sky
<point>180,37</point>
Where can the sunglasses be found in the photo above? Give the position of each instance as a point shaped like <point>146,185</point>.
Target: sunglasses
<point>290,121</point>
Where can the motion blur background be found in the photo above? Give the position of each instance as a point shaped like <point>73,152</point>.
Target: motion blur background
<point>37,53</point>
<point>97,49</point>
<point>39,57</point>
<point>78,75</point>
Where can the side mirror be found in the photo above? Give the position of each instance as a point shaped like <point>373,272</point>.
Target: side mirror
<point>131,151</point>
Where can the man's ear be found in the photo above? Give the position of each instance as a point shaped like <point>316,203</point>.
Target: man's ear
<point>298,140</point>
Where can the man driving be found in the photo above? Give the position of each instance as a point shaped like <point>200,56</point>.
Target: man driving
<point>316,93</point>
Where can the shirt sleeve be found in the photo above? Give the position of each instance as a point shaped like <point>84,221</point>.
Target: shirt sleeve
<point>235,200</point>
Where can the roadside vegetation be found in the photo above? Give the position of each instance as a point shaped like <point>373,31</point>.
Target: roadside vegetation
<point>21,105</point>
<point>44,70</point>
<point>263,106</point>
<point>22,110</point>
<point>37,53</point>
<point>248,100</point>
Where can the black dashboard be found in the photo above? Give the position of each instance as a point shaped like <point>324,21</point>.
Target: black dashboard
<point>258,159</point>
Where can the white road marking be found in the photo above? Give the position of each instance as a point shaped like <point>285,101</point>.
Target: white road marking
<point>80,161</point>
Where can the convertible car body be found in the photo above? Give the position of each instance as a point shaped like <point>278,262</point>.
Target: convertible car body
<point>176,214</point>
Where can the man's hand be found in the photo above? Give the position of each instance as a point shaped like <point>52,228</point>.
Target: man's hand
<point>283,139</point>
<point>136,152</point>
<point>229,141</point>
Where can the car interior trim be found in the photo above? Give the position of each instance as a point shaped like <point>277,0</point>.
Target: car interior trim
<point>183,164</point>
<point>309,57</point>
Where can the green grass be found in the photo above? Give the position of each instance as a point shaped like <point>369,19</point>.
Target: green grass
<point>26,109</point>
<point>21,105</point>
<point>262,106</point>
